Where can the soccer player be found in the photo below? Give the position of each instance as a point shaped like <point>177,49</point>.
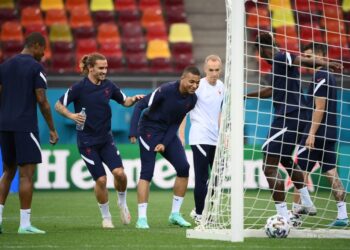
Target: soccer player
<point>289,114</point>
<point>157,132</point>
<point>204,130</point>
<point>22,87</point>
<point>320,135</point>
<point>95,141</point>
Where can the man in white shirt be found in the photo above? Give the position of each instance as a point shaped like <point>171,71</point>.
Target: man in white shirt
<point>204,130</point>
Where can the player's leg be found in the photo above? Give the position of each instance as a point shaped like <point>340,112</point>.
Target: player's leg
<point>93,162</point>
<point>9,168</point>
<point>148,158</point>
<point>28,154</point>
<point>111,157</point>
<point>175,154</point>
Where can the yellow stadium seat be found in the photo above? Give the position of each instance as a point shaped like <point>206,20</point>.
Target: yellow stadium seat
<point>98,5</point>
<point>346,5</point>
<point>7,4</point>
<point>180,32</point>
<point>282,18</point>
<point>279,4</point>
<point>157,49</point>
<point>51,5</point>
<point>60,33</point>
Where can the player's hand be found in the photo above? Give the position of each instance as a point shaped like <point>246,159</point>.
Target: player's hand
<point>310,142</point>
<point>335,66</point>
<point>78,118</point>
<point>159,148</point>
<point>136,98</point>
<point>53,137</point>
<point>133,139</point>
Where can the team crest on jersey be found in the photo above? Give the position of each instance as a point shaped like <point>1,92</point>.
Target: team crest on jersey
<point>107,92</point>
<point>148,136</point>
<point>219,92</point>
<point>88,150</point>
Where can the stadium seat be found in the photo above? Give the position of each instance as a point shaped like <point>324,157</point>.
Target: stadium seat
<point>60,33</point>
<point>26,3</point>
<point>41,28</point>
<point>346,5</point>
<point>86,46</point>
<point>80,18</point>
<point>11,31</point>
<point>178,49</point>
<point>108,32</point>
<point>180,32</point>
<point>77,4</point>
<point>133,48</point>
<point>181,61</point>
<point>149,4</point>
<point>278,5</point>
<point>282,17</point>
<point>305,6</point>
<point>31,16</point>
<point>152,17</point>
<point>84,33</point>
<point>137,63</point>
<point>55,17</point>
<point>8,15</point>
<point>157,49</point>
<point>161,65</point>
<point>174,3</point>
<point>175,15</point>
<point>309,34</point>
<point>121,5</point>
<point>115,64</point>
<point>51,5</point>
<point>111,49</point>
<point>156,31</point>
<point>62,47</point>
<point>258,17</point>
<point>7,4</point>
<point>128,16</point>
<point>103,17</point>
<point>62,63</point>
<point>11,48</point>
<point>132,32</point>
<point>98,5</point>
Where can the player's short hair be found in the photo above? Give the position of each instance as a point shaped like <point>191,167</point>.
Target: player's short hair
<point>191,69</point>
<point>212,58</point>
<point>34,38</point>
<point>89,61</point>
<point>316,48</point>
<point>264,39</point>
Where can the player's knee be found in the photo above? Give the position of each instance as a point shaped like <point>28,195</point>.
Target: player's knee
<point>119,174</point>
<point>101,181</point>
<point>270,171</point>
<point>183,170</point>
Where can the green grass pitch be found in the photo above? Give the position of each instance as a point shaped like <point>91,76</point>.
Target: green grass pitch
<point>72,221</point>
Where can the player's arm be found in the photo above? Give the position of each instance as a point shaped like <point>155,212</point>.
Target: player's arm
<point>263,92</point>
<point>317,116</point>
<point>182,131</point>
<point>316,62</point>
<point>46,112</point>
<point>131,100</point>
<point>76,117</point>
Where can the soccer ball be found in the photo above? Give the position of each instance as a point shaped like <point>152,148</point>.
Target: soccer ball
<point>295,219</point>
<point>277,227</point>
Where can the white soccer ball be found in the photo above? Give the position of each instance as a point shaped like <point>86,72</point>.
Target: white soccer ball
<point>295,219</point>
<point>277,227</point>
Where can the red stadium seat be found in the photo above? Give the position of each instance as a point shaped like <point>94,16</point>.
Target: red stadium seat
<point>86,46</point>
<point>174,3</point>
<point>133,48</point>
<point>149,4</point>
<point>80,18</point>
<point>132,33</point>
<point>62,63</point>
<point>258,17</point>
<point>84,33</point>
<point>181,61</point>
<point>305,6</point>
<point>11,48</point>
<point>77,4</point>
<point>152,17</point>
<point>55,17</point>
<point>26,3</point>
<point>115,64</point>
<point>161,65</point>
<point>104,17</point>
<point>121,5</point>
<point>111,49</point>
<point>11,31</point>
<point>108,32</point>
<point>62,47</point>
<point>128,16</point>
<point>8,15</point>
<point>156,31</point>
<point>181,49</point>
<point>310,34</point>
<point>176,14</point>
<point>31,16</point>
<point>137,63</point>
<point>41,28</point>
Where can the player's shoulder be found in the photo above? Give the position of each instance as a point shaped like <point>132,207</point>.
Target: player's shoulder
<point>321,74</point>
<point>168,87</point>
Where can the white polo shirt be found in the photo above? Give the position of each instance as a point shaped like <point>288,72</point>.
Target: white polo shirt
<point>205,115</point>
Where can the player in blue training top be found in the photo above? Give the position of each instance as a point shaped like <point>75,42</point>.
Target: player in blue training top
<point>318,143</point>
<point>22,87</point>
<point>289,117</point>
<point>157,132</point>
<point>95,141</point>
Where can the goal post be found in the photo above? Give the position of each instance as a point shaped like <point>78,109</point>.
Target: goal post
<point>239,201</point>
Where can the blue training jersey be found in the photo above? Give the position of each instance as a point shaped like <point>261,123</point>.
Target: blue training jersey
<point>20,76</point>
<point>324,85</point>
<point>286,85</point>
<point>95,99</point>
<point>165,108</point>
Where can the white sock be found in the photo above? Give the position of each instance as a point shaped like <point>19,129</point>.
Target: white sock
<point>121,199</point>
<point>295,206</point>
<point>305,197</point>
<point>177,202</point>
<point>104,208</point>
<point>142,209</point>
<point>1,210</point>
<point>282,209</point>
<point>342,214</point>
<point>25,218</point>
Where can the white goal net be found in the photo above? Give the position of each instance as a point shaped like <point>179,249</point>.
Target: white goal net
<point>294,24</point>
